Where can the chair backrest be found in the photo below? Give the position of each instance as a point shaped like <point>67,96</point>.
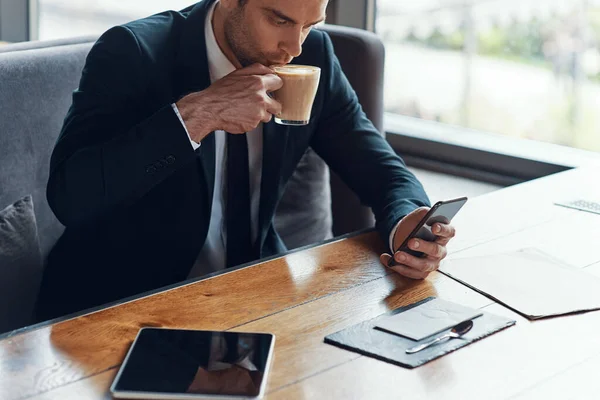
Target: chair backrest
<point>311,209</point>
<point>362,57</point>
<point>36,83</point>
<point>35,93</point>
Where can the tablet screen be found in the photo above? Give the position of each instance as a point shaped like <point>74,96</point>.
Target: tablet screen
<point>190,362</point>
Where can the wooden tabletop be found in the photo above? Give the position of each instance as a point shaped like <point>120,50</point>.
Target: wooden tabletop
<point>306,295</point>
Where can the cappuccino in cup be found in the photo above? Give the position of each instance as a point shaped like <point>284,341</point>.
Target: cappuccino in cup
<point>300,83</point>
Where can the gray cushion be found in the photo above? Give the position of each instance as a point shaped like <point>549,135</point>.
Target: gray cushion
<point>362,57</point>
<point>36,87</point>
<point>20,264</point>
<point>303,215</point>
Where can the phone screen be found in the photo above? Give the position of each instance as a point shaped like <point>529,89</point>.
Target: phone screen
<point>441,212</point>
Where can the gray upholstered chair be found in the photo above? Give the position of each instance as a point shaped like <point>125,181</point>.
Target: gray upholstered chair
<point>36,83</point>
<point>361,56</point>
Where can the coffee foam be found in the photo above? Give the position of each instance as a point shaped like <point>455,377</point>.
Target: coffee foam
<point>295,70</point>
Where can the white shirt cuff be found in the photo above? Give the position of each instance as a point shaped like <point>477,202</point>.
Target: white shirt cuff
<point>391,241</point>
<point>194,144</point>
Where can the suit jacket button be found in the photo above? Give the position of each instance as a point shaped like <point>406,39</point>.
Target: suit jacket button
<point>150,169</point>
<point>170,159</point>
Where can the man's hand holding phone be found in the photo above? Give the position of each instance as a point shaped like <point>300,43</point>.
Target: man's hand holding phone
<point>421,238</point>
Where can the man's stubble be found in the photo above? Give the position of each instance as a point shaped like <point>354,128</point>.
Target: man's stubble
<point>237,38</point>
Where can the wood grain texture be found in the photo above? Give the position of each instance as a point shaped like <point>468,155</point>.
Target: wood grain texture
<point>94,387</point>
<point>300,351</point>
<point>308,294</point>
<point>41,360</point>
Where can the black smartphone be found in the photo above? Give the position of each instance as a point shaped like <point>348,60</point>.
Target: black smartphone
<point>443,212</point>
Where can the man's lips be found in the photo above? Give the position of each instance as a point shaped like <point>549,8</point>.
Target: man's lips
<point>280,61</point>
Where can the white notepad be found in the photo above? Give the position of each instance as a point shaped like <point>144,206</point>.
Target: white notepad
<point>428,319</point>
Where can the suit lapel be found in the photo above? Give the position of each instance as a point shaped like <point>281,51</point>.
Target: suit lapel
<point>192,75</point>
<point>274,143</point>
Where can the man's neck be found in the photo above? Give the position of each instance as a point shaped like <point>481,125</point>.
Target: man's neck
<point>218,27</point>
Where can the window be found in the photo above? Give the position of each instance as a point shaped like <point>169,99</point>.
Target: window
<point>68,18</point>
<point>520,68</point>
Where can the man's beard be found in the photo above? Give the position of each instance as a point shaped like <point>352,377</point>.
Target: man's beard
<point>235,45</point>
<point>240,55</point>
<point>243,48</point>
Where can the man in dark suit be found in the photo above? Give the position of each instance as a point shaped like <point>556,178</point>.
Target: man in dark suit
<point>168,165</point>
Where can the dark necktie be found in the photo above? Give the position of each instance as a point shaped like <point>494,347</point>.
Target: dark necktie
<point>239,242</point>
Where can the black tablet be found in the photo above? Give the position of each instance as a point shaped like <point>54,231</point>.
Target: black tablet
<point>190,364</point>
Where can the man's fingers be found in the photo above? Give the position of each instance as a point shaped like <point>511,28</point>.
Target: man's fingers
<point>443,241</point>
<point>432,249</point>
<point>405,270</point>
<point>272,82</point>
<point>267,116</point>
<point>443,230</point>
<point>254,69</point>
<point>386,259</point>
<point>422,264</point>
<point>273,106</point>
<point>409,272</point>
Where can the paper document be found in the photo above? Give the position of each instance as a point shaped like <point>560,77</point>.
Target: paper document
<point>528,281</point>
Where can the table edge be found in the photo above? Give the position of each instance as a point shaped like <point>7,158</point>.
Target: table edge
<point>39,325</point>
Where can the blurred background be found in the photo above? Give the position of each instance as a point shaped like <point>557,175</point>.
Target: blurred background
<point>522,68</point>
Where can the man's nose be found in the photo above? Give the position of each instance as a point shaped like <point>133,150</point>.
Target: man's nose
<point>293,43</point>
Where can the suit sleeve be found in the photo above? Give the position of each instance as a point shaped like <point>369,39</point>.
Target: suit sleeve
<point>111,150</point>
<point>352,147</point>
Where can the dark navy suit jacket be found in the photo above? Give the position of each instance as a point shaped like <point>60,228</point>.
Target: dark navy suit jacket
<point>136,198</point>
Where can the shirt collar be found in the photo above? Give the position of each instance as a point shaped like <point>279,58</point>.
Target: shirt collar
<point>218,64</point>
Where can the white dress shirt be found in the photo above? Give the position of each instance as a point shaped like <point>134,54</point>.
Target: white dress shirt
<point>212,257</point>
